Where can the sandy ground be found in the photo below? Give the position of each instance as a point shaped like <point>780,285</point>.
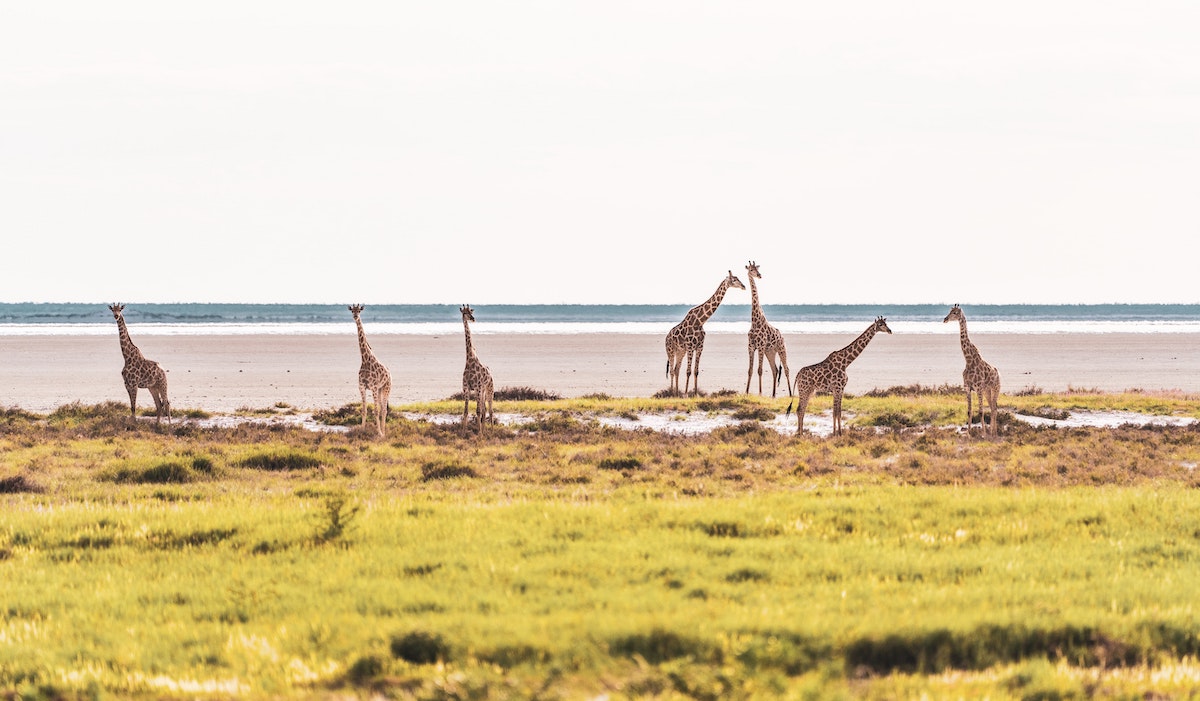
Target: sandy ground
<point>225,373</point>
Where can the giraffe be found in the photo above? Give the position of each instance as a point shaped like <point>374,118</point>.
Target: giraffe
<point>687,337</point>
<point>140,371</point>
<point>477,381</point>
<point>978,376</point>
<point>766,340</point>
<point>373,376</point>
<point>829,375</point>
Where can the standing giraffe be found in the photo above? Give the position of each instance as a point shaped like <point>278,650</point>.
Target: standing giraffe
<point>829,375</point>
<point>687,337</point>
<point>373,376</point>
<point>766,340</point>
<point>477,381</point>
<point>978,376</point>
<point>140,371</point>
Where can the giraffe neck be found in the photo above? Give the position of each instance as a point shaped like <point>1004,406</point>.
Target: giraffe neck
<point>704,311</point>
<point>967,347</point>
<point>467,333</point>
<point>130,351</point>
<point>847,355</point>
<point>756,312</point>
<point>363,347</point>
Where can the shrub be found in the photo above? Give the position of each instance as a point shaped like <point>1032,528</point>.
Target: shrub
<point>514,394</point>
<point>744,431</point>
<point>761,413</point>
<point>445,470</point>
<point>626,463</point>
<point>77,410</point>
<point>916,390</point>
<point>893,420</point>
<point>520,394</point>
<point>420,647</point>
<point>166,473</point>
<point>169,472</point>
<point>1046,412</point>
<point>281,461</point>
<point>659,646</point>
<point>364,670</point>
<point>18,484</point>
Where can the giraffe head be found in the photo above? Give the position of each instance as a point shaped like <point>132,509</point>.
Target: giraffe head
<point>733,281</point>
<point>752,271</point>
<point>116,310</point>
<point>355,310</point>
<point>881,325</point>
<point>956,314</point>
<point>467,312</point>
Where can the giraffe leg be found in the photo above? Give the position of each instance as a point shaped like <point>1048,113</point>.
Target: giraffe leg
<point>837,413</point>
<point>362,391</point>
<point>158,408</point>
<point>775,370</point>
<point>993,402</point>
<point>162,405</point>
<point>761,358</point>
<point>687,378</point>
<point>166,401</point>
<point>132,389</point>
<point>479,408</point>
<point>466,403</point>
<point>750,370</point>
<point>968,409</point>
<point>696,377</point>
<point>801,408</point>
<point>787,380</point>
<point>381,400</point>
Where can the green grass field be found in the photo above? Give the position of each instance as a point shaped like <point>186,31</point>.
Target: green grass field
<point>560,559</point>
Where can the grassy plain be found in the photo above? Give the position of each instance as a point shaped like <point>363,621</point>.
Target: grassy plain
<point>562,559</point>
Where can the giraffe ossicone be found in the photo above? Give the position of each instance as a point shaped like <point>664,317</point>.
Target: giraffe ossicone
<point>373,376</point>
<point>140,372</point>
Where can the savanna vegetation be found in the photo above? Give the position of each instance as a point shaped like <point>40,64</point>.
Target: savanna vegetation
<point>559,558</point>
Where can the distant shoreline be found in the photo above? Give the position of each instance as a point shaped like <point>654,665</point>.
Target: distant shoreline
<point>224,373</point>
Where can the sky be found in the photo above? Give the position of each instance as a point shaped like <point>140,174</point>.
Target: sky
<point>615,152</point>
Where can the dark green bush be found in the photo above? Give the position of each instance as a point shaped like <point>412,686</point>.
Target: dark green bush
<point>420,647</point>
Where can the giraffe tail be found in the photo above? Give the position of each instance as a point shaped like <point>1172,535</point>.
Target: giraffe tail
<point>789,409</point>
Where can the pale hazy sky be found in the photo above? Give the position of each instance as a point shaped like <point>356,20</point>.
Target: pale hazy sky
<point>599,152</point>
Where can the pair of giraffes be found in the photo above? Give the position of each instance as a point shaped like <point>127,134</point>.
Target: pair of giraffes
<point>140,372</point>
<point>827,376</point>
<point>374,377</point>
